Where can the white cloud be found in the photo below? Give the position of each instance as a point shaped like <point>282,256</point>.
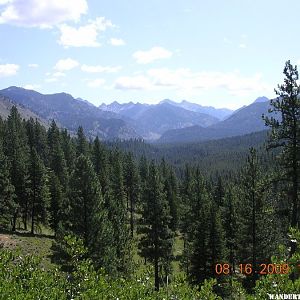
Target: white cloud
<point>183,79</point>
<point>2,2</point>
<point>155,53</point>
<point>42,13</point>
<point>31,86</point>
<point>83,36</point>
<point>187,82</point>
<point>58,74</point>
<point>100,69</point>
<point>242,45</point>
<point>226,40</point>
<point>66,64</point>
<point>8,70</point>
<point>117,42</point>
<point>133,83</point>
<point>96,83</point>
<point>51,79</point>
<point>33,65</point>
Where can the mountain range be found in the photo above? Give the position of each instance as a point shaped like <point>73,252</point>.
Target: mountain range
<point>246,120</point>
<point>71,113</point>
<point>167,121</point>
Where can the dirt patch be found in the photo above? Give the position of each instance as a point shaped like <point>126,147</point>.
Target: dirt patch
<point>7,242</point>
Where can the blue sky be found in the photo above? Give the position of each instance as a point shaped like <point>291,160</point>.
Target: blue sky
<point>220,53</point>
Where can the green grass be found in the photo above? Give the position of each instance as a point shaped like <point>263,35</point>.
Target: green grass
<point>41,245</point>
<point>38,244</point>
<point>177,252</point>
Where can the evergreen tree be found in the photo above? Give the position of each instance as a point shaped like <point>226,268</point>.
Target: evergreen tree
<point>82,146</point>
<point>230,213</point>
<point>199,230</point>
<point>171,190</point>
<point>219,191</point>
<point>157,237</point>
<point>8,205</point>
<point>88,216</point>
<point>99,158</point>
<point>254,239</point>
<point>17,152</point>
<point>286,135</point>
<point>132,187</point>
<point>39,197</point>
<point>59,179</point>
<point>186,209</point>
<point>143,169</point>
<point>216,241</point>
<point>116,204</point>
<point>57,204</point>
<point>68,147</point>
<point>57,161</point>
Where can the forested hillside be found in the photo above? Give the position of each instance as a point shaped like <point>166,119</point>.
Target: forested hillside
<point>129,226</point>
<point>214,157</point>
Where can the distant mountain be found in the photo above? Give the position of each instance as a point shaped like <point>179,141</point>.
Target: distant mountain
<point>246,120</point>
<point>157,119</point>
<point>6,104</point>
<point>133,110</point>
<point>261,99</point>
<point>220,113</point>
<point>167,121</point>
<point>71,113</point>
<point>129,110</point>
<point>151,121</point>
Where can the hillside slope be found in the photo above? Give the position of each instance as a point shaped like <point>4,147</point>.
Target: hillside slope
<point>71,113</point>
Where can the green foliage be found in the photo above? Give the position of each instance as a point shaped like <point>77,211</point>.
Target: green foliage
<point>88,216</point>
<point>286,135</point>
<point>7,193</point>
<point>204,233</point>
<point>38,191</point>
<point>157,237</point>
<point>17,151</point>
<point>23,278</point>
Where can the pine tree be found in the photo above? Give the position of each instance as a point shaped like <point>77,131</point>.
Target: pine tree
<point>157,237</point>
<point>230,213</point>
<point>252,217</point>
<point>82,146</point>
<point>68,147</point>
<point>171,190</point>
<point>57,161</point>
<point>8,205</point>
<point>219,191</point>
<point>39,196</point>
<point>216,242</point>
<point>199,230</point>
<point>17,152</point>
<point>286,135</point>
<point>88,216</point>
<point>116,204</point>
<point>132,187</point>
<point>99,158</point>
<point>85,195</point>
<point>57,203</point>
<point>186,192</point>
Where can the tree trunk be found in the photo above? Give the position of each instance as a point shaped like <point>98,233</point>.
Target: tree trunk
<point>156,275</point>
<point>14,221</point>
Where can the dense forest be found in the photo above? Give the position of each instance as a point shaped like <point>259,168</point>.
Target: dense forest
<point>117,214</point>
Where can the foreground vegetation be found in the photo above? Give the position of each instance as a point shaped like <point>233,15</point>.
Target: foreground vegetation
<point>22,277</point>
